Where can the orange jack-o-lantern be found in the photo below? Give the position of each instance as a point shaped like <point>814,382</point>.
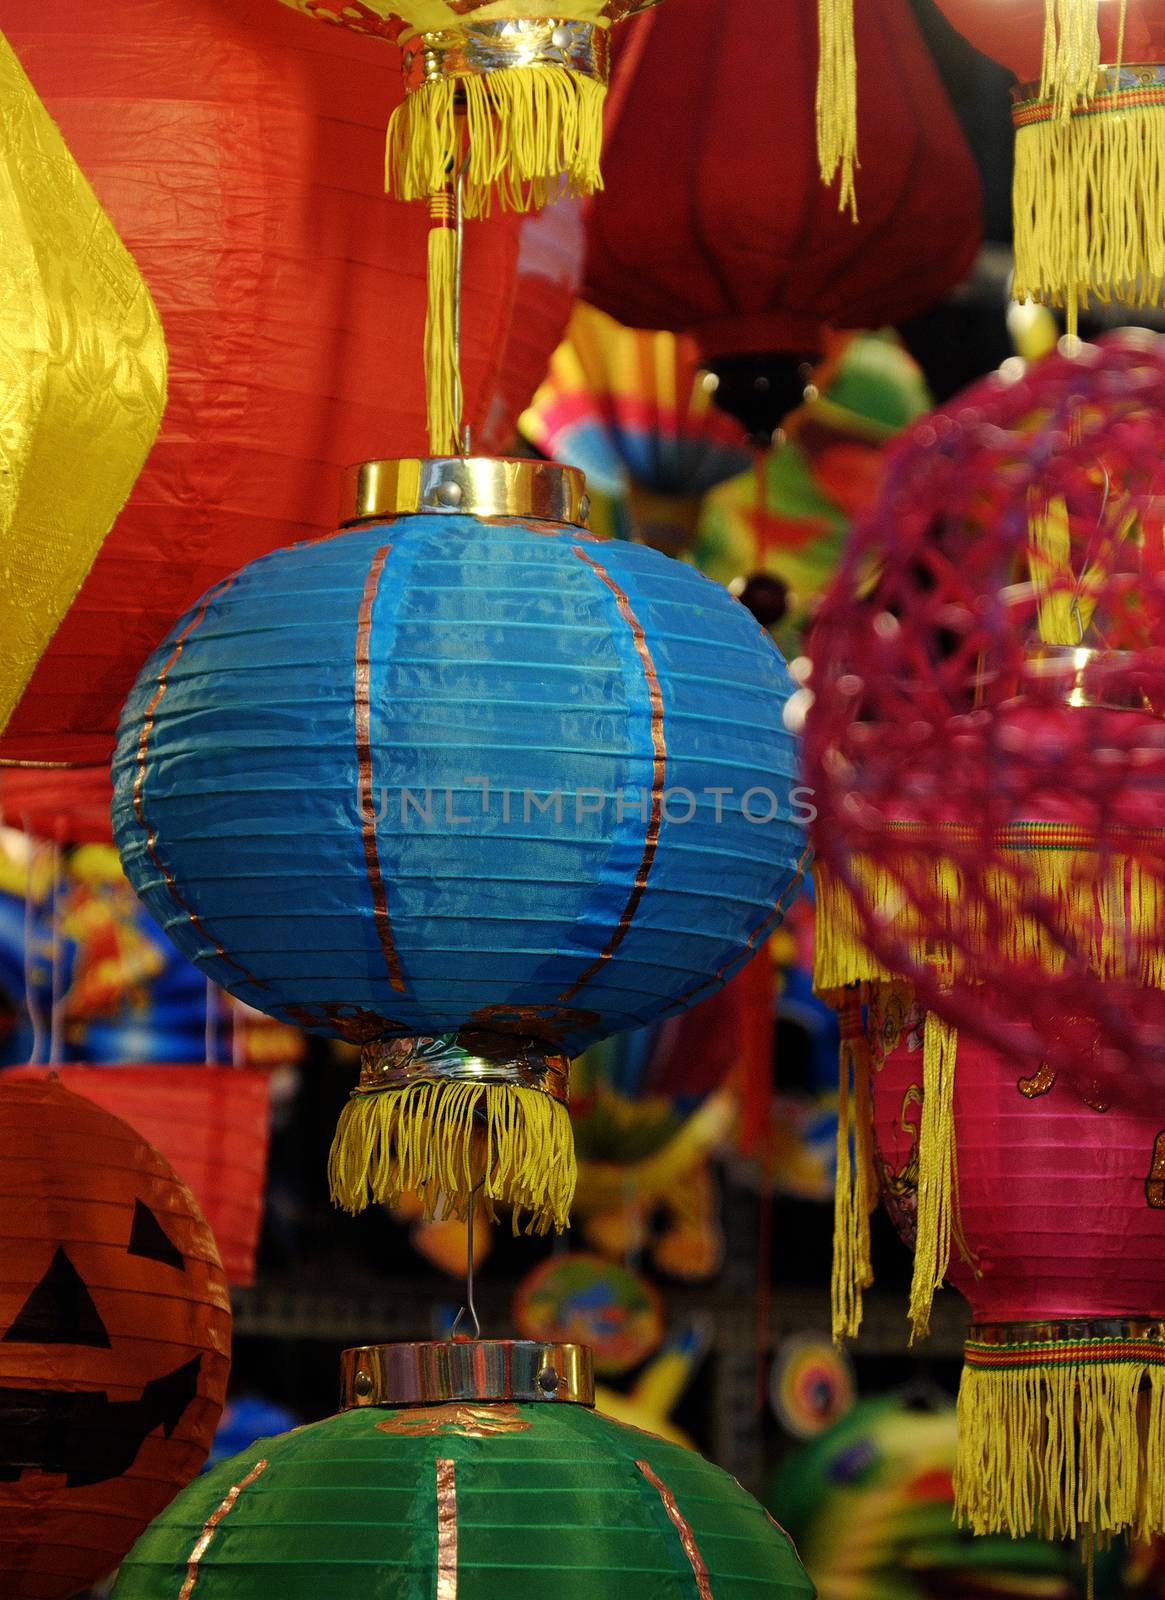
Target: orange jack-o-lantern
<point>114,1339</point>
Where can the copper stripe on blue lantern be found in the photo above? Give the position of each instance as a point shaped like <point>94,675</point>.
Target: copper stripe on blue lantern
<point>140,780</point>
<point>658,779</point>
<point>364,768</point>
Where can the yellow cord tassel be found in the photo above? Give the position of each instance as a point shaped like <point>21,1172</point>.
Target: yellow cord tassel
<point>855,1190</point>
<point>527,130</point>
<point>1071,56</point>
<point>837,100</point>
<point>1062,1449</point>
<point>442,1139</point>
<point>936,1165</point>
<point>442,373</point>
<point>1088,203</point>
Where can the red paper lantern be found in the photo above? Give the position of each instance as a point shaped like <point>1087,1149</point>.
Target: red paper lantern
<point>740,244</point>
<point>1057,1221</point>
<point>114,1340</point>
<point>68,806</point>
<point>209,1123</point>
<point>240,155</point>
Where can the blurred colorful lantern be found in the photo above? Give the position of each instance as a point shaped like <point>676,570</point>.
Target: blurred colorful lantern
<point>209,1123</point>
<point>650,1108</point>
<point>869,1505</point>
<point>84,377</point>
<point>1056,1214</point>
<point>512,94</point>
<point>237,152</point>
<point>789,517</point>
<point>569,1296</point>
<point>740,247</point>
<point>115,1349</point>
<point>501,1476</point>
<point>1089,143</point>
<point>385,829</point>
<point>984,741</point>
<point>631,410</point>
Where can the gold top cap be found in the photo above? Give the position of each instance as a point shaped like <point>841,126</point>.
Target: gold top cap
<point>442,1372</point>
<point>469,486</point>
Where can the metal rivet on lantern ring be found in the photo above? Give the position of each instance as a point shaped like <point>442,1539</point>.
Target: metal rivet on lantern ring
<point>584,507</point>
<point>560,37</point>
<point>363,1383</point>
<point>450,493</point>
<point>548,1380</point>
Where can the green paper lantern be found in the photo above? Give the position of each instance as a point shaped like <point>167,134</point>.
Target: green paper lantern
<point>465,1500</point>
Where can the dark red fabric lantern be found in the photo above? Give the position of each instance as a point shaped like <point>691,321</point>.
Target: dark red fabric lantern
<point>740,244</point>
<point>114,1340</point>
<point>239,153</point>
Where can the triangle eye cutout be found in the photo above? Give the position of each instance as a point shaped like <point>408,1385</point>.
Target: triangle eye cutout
<point>59,1310</point>
<point>148,1238</point>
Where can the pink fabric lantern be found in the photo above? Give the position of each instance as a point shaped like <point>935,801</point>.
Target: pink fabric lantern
<point>1056,1216</point>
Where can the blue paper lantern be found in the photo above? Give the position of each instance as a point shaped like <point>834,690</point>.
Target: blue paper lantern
<point>473,794</point>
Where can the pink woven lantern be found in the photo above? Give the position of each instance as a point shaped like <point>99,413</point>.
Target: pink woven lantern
<point>985,739</point>
<point>1053,1212</point>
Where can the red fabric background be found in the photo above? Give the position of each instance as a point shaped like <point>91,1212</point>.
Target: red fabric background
<point>1014,33</point>
<point>239,149</point>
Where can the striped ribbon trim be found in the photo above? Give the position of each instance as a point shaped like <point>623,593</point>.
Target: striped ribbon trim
<point>1142,1350</point>
<point>1028,113</point>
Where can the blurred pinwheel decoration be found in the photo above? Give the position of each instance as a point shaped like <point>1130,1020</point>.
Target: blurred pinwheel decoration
<point>634,411</point>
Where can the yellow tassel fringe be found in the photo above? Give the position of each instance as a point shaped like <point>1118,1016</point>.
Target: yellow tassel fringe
<point>837,100</point>
<point>856,1190</point>
<point>442,373</point>
<point>526,130</point>
<point>1112,911</point>
<point>1071,56</point>
<point>1062,1450</point>
<point>442,1139</point>
<point>1089,206</point>
<point>936,1162</point>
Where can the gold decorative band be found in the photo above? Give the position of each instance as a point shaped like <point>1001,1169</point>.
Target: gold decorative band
<point>1082,676</point>
<point>476,48</point>
<point>472,486</point>
<point>469,1057</point>
<point>445,1372</point>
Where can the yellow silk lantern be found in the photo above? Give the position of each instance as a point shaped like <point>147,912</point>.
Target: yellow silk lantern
<point>82,373</point>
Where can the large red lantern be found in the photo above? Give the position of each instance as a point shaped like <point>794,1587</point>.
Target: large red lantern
<point>114,1340</point>
<point>740,245</point>
<point>239,153</point>
<point>1052,1213</point>
<point>1090,142</point>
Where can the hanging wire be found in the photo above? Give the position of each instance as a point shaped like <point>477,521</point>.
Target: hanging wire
<point>469,1302</point>
<point>32,1003</point>
<point>459,224</point>
<point>57,1008</point>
